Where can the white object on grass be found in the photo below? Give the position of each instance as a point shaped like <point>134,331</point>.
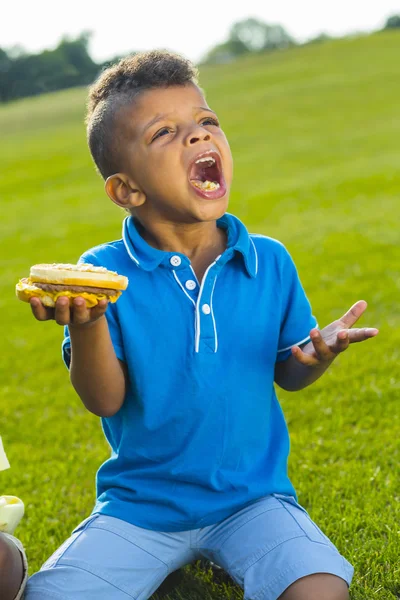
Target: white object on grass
<point>11,512</point>
<point>11,508</point>
<point>4,464</point>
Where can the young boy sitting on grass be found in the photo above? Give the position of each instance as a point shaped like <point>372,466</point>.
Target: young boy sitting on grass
<point>182,368</point>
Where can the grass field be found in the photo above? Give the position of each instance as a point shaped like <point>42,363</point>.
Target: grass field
<point>315,136</point>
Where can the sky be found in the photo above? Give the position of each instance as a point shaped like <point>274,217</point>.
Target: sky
<point>191,28</point>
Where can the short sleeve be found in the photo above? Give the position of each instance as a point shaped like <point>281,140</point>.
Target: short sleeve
<point>296,316</point>
<point>112,321</point>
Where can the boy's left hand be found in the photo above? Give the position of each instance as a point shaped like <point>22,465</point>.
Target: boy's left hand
<point>328,342</point>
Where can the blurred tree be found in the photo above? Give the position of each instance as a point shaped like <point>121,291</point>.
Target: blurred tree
<point>319,39</point>
<point>257,35</point>
<point>113,60</point>
<point>225,52</point>
<point>16,51</point>
<point>76,53</point>
<point>4,61</point>
<point>249,35</point>
<point>393,22</point>
<point>68,65</point>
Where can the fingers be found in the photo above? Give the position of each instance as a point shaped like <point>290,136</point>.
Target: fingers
<point>326,353</point>
<point>359,335</point>
<point>60,313</point>
<point>40,312</point>
<point>354,313</point>
<point>99,310</point>
<point>303,358</point>
<point>345,337</point>
<point>64,314</point>
<point>342,341</point>
<point>82,314</point>
<point>322,352</point>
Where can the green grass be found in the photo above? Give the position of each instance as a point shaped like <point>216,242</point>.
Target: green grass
<point>315,137</point>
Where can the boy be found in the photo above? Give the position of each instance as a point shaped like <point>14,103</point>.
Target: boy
<point>181,368</point>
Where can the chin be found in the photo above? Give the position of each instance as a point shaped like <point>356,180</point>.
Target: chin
<point>213,210</point>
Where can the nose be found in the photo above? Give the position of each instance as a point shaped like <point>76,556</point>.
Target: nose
<point>198,134</point>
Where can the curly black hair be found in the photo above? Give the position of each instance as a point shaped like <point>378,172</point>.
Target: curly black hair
<point>117,86</point>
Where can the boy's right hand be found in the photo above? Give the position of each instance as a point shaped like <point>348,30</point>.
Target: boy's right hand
<point>77,315</point>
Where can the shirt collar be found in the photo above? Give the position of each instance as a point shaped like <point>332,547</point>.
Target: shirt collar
<point>240,241</point>
<point>148,258</point>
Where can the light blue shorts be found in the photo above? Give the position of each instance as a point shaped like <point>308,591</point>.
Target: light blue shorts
<point>265,547</point>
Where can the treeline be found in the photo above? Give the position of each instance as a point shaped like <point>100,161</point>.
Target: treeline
<point>252,35</point>
<point>249,36</point>
<point>70,64</point>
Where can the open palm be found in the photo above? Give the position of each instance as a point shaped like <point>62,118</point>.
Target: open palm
<point>328,342</point>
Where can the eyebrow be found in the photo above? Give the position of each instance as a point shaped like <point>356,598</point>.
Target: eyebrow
<point>160,117</point>
<point>206,109</point>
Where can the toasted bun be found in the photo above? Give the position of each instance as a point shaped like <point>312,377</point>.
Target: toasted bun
<point>26,289</point>
<point>82,274</point>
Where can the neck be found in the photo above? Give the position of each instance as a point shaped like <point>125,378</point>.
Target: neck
<point>190,239</point>
<point>200,242</point>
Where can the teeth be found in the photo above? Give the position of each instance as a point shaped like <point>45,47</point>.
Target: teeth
<point>208,186</point>
<point>205,159</point>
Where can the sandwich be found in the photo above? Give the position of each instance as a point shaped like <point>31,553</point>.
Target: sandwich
<point>49,282</point>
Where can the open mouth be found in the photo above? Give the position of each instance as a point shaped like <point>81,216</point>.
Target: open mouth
<point>206,173</point>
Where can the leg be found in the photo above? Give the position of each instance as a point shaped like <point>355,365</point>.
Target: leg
<point>11,569</point>
<point>273,544</point>
<point>320,586</point>
<point>109,558</point>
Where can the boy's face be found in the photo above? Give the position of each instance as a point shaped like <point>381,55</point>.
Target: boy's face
<point>165,132</point>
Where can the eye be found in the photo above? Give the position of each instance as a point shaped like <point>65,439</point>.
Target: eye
<point>210,121</point>
<point>160,133</point>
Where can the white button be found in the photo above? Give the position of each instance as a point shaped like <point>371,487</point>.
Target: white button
<point>190,284</point>
<point>206,309</point>
<point>175,261</point>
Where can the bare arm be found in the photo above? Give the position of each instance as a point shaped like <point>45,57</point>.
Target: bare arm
<point>95,372</point>
<point>97,375</point>
<point>291,375</point>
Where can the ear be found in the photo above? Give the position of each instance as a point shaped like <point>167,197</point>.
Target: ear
<point>123,191</point>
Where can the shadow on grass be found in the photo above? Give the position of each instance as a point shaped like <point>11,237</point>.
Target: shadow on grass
<point>196,583</point>
<point>202,582</point>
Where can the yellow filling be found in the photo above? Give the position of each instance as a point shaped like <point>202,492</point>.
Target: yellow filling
<point>30,291</point>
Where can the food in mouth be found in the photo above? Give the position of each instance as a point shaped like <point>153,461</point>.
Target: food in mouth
<point>206,174</point>
<point>50,281</point>
<point>206,185</point>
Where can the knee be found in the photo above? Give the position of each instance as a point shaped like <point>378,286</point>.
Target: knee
<point>5,555</point>
<point>11,569</point>
<point>317,587</point>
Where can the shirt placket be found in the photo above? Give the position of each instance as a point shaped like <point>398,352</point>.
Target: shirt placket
<point>201,296</point>
<point>206,327</point>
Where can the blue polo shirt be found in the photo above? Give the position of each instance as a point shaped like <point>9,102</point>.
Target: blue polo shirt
<point>201,433</point>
